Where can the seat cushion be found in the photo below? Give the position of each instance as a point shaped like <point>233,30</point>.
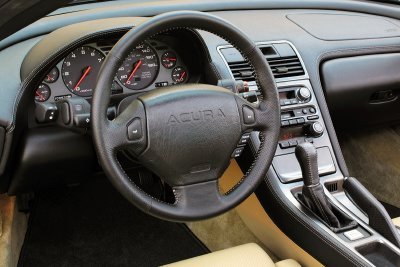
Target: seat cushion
<point>396,222</point>
<point>240,256</point>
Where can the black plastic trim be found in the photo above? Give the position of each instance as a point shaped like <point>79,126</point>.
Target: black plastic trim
<point>52,156</point>
<point>301,228</point>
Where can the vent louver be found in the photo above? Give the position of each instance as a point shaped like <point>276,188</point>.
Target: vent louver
<point>286,67</point>
<point>282,58</point>
<point>281,67</point>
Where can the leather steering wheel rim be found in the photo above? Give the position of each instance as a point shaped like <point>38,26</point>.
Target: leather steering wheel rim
<point>196,191</point>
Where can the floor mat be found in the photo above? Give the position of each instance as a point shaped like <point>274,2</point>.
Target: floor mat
<point>92,225</point>
<point>373,157</point>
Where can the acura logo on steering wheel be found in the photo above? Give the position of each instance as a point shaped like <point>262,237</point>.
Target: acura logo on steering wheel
<point>196,116</point>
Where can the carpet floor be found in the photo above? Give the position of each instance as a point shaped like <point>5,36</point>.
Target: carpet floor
<point>92,225</point>
<point>373,157</point>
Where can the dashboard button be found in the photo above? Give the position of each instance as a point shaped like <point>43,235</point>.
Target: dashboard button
<point>244,139</point>
<point>301,120</point>
<point>314,117</point>
<point>284,123</point>
<point>293,143</point>
<point>161,84</point>
<point>238,151</point>
<point>248,115</point>
<point>284,144</point>
<point>135,129</point>
<point>286,102</point>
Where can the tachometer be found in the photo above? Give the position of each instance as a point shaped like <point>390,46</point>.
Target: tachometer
<point>80,69</point>
<point>140,68</point>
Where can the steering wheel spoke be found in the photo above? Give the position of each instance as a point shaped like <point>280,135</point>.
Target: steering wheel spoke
<point>192,199</point>
<point>128,129</point>
<point>255,117</point>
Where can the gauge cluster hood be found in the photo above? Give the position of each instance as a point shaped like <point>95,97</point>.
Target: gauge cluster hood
<point>59,40</point>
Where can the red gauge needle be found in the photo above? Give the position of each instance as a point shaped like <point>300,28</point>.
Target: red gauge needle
<point>83,77</point>
<point>170,59</point>
<point>138,64</point>
<point>182,75</point>
<point>49,77</point>
<point>39,95</point>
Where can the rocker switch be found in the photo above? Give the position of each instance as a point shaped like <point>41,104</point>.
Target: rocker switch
<point>135,129</point>
<point>248,115</point>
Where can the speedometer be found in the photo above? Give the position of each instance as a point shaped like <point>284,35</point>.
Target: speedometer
<point>140,68</point>
<point>80,69</point>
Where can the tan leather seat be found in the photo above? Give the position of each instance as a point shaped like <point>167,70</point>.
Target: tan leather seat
<point>240,256</point>
<point>396,222</point>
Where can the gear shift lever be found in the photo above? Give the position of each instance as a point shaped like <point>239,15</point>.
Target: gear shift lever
<point>313,195</point>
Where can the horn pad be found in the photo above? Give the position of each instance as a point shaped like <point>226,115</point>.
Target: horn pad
<point>192,132</point>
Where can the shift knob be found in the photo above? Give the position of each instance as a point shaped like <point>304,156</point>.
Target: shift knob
<point>306,154</point>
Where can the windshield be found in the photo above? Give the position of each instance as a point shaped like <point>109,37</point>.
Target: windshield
<point>77,2</point>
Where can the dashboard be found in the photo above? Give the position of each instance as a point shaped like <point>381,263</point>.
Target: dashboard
<point>152,64</point>
<point>58,61</point>
<point>336,64</point>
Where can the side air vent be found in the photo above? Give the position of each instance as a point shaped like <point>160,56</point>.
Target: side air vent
<point>281,57</point>
<point>241,71</point>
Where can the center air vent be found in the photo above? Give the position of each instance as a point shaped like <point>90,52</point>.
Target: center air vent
<point>282,59</point>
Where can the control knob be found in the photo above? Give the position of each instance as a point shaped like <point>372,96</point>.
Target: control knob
<point>314,129</point>
<point>303,94</point>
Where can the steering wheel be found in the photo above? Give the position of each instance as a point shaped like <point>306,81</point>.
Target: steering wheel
<point>186,134</point>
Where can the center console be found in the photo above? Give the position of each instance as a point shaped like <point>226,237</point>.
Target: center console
<point>363,242</point>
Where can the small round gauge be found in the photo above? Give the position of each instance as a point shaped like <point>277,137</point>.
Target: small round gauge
<point>140,68</point>
<point>80,68</point>
<point>42,93</point>
<point>179,75</point>
<point>52,76</point>
<point>168,60</point>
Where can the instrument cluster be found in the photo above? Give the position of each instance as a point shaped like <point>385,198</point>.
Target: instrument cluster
<point>150,65</point>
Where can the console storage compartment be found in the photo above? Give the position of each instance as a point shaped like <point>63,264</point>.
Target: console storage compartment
<point>379,254</point>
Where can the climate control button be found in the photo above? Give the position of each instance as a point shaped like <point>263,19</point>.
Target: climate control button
<point>303,94</point>
<point>314,129</point>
